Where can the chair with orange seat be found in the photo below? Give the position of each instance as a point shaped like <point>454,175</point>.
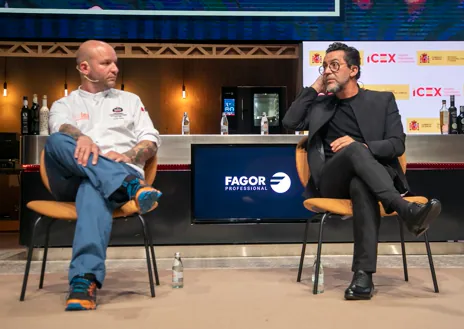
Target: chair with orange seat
<point>342,207</point>
<point>67,211</point>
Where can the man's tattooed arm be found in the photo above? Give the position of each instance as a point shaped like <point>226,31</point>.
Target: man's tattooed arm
<point>71,131</point>
<point>141,152</point>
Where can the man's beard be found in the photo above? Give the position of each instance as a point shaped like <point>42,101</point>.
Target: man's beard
<point>339,86</point>
<point>335,89</point>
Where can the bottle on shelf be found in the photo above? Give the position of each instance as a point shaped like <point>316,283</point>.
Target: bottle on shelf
<point>34,115</point>
<point>25,118</point>
<point>43,117</point>
<point>444,118</point>
<point>177,272</point>
<point>320,282</point>
<point>224,125</point>
<point>264,125</point>
<point>453,117</point>
<point>185,124</point>
<point>461,120</point>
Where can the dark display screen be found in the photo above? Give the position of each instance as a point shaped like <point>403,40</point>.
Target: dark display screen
<point>236,183</point>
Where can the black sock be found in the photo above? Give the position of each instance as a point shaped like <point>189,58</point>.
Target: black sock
<point>121,194</point>
<point>91,277</point>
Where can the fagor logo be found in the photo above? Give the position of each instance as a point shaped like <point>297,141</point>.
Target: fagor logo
<point>244,183</point>
<point>426,92</point>
<point>381,58</point>
<point>280,182</point>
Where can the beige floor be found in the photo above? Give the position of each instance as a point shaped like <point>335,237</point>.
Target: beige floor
<point>245,298</point>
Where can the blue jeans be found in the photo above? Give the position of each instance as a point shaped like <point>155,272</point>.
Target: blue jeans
<point>90,187</point>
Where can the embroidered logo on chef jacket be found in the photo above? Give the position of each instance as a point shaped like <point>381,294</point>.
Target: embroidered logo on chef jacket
<point>118,113</point>
<point>81,116</point>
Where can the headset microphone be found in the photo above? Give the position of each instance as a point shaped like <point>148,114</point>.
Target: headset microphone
<point>85,76</point>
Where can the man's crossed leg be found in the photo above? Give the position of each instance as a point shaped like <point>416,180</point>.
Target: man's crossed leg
<point>98,189</point>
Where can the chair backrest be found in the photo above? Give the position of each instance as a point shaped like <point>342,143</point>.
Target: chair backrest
<point>150,168</point>
<point>302,166</point>
<point>43,171</point>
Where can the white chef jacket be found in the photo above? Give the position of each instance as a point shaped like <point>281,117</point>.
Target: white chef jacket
<point>116,120</point>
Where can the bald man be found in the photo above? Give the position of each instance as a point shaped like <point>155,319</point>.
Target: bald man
<point>100,139</point>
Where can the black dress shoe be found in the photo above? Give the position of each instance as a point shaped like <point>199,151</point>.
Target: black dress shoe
<point>361,287</point>
<point>419,216</point>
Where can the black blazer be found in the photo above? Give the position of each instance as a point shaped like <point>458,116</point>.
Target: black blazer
<point>379,122</point>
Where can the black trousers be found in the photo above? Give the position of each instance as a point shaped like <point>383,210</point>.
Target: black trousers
<point>353,173</point>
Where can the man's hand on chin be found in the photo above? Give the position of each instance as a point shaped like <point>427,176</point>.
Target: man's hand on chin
<point>117,157</point>
<point>342,142</point>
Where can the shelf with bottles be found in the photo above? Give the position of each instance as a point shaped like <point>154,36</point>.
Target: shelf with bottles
<point>450,122</point>
<point>34,121</point>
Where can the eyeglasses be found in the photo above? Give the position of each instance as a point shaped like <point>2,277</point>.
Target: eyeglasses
<point>334,67</point>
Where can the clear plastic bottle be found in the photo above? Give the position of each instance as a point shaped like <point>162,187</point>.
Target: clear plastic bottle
<point>264,124</point>
<point>320,283</point>
<point>177,272</point>
<point>185,124</point>
<point>224,125</point>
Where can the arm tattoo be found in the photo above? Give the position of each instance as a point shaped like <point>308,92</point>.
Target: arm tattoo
<point>71,131</point>
<point>141,152</point>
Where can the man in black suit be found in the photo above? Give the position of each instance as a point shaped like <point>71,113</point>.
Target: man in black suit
<point>355,139</point>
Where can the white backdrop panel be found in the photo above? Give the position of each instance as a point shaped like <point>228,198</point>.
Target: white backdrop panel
<point>420,74</point>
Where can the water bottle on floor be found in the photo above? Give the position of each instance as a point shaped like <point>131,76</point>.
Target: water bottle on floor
<point>177,272</point>
<point>320,283</point>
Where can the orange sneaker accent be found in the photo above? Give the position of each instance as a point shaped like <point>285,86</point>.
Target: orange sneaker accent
<point>85,304</point>
<point>92,289</point>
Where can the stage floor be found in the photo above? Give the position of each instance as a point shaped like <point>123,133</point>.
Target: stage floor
<point>236,298</point>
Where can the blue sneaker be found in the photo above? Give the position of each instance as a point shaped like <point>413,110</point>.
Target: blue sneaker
<point>82,293</point>
<point>145,196</point>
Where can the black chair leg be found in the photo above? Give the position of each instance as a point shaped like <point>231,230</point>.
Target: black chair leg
<point>432,267</point>
<point>403,250</point>
<point>318,257</point>
<point>303,251</point>
<point>152,248</point>
<point>44,259</point>
<point>29,258</point>
<point>147,253</point>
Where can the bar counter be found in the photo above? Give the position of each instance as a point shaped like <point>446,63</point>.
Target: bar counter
<point>435,166</point>
<point>175,149</point>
